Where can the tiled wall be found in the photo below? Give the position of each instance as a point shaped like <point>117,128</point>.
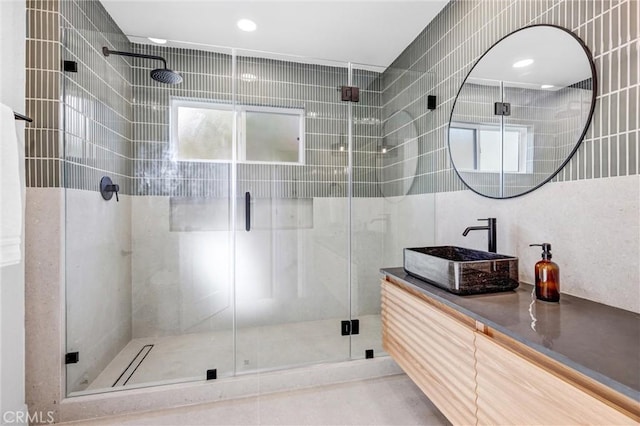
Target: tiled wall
<point>543,113</point>
<point>110,130</point>
<point>208,77</point>
<point>90,111</point>
<point>441,56</point>
<point>97,99</point>
<point>43,90</point>
<point>94,117</point>
<point>97,108</point>
<point>598,198</point>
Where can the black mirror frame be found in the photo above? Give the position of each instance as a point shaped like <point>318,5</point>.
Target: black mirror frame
<point>584,131</point>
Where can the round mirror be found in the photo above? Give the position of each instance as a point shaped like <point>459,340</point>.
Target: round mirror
<point>522,111</point>
<point>397,155</point>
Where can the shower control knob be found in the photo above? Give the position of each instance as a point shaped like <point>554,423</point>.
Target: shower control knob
<point>108,188</point>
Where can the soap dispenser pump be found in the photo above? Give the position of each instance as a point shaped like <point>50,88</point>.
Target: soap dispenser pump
<point>547,275</point>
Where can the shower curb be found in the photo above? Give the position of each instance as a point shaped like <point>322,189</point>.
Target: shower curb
<point>184,394</point>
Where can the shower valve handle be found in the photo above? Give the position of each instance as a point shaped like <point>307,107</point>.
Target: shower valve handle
<point>115,188</point>
<point>108,188</point>
<point>247,211</point>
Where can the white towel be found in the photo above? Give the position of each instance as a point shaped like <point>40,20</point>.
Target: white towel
<point>10,190</point>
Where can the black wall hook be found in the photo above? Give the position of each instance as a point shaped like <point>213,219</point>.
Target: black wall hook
<point>108,188</point>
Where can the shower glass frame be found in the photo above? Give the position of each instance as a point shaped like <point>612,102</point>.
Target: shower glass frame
<point>95,260</point>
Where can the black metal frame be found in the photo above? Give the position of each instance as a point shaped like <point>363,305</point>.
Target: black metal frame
<point>106,52</point>
<point>19,116</point>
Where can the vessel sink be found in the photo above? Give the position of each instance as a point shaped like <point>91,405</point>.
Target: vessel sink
<point>461,270</point>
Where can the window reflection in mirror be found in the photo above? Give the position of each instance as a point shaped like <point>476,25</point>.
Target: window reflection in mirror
<point>480,148</point>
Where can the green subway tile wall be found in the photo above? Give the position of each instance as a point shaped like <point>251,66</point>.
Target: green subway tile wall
<point>113,118</point>
<point>437,61</point>
<point>82,128</point>
<point>274,83</point>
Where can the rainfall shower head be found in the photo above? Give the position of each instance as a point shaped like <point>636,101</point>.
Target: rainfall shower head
<point>165,75</point>
<point>162,75</point>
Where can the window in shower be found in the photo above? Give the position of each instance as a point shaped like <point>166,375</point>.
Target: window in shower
<point>203,131</point>
<point>477,147</point>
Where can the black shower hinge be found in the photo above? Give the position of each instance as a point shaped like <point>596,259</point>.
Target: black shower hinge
<point>71,357</point>
<point>368,353</point>
<point>212,374</point>
<point>70,66</point>
<point>431,102</point>
<point>350,327</point>
<point>350,93</point>
<point>502,108</point>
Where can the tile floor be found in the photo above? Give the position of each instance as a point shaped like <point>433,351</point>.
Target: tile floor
<point>187,357</point>
<point>392,400</point>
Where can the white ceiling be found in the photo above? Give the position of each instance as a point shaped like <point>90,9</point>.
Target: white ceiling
<point>369,32</point>
<point>563,65</point>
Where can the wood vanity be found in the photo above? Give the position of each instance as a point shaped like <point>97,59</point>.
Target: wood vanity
<point>488,367</point>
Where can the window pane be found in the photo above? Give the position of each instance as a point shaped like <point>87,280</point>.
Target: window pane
<point>511,151</point>
<point>463,148</point>
<point>204,134</point>
<point>490,147</point>
<point>273,137</point>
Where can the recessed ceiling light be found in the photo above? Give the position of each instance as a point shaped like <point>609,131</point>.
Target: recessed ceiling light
<point>157,40</point>
<point>248,77</point>
<point>247,25</point>
<point>547,86</point>
<point>523,63</point>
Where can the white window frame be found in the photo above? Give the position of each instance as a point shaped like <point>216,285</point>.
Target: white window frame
<point>176,103</point>
<point>523,143</point>
<point>240,141</point>
<point>242,136</point>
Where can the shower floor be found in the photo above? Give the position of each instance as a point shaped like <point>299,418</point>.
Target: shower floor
<point>188,357</point>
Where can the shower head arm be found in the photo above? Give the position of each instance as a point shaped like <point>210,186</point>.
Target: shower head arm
<point>107,52</point>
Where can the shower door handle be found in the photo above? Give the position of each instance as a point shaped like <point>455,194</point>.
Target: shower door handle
<point>247,211</point>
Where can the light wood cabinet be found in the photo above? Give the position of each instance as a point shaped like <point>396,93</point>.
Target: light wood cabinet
<point>433,348</point>
<point>476,375</point>
<point>511,389</point>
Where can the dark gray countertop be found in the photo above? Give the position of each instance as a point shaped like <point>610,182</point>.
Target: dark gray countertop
<point>600,341</point>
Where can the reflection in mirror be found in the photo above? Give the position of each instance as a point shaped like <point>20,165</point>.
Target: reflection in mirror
<point>397,155</point>
<point>522,111</point>
<point>478,147</point>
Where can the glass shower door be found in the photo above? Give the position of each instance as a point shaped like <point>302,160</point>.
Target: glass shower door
<point>291,241</point>
<point>149,283</point>
<point>369,221</point>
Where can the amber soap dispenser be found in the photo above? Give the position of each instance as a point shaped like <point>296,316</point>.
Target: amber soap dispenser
<point>547,276</point>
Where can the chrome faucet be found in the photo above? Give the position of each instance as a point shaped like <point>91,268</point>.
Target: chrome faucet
<point>490,228</point>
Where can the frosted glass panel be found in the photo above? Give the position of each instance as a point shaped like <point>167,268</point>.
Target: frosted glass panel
<point>481,149</point>
<point>511,161</point>
<point>273,137</point>
<point>490,147</point>
<point>463,147</point>
<point>204,134</point>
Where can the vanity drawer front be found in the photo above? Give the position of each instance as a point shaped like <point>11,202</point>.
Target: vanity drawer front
<point>434,349</point>
<point>513,390</point>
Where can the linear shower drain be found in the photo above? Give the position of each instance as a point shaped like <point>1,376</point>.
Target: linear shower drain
<point>128,372</point>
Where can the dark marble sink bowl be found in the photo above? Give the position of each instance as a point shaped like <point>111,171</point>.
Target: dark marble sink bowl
<point>461,270</point>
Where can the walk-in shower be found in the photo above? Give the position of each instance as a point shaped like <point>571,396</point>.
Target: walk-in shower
<point>251,222</point>
<point>232,248</point>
